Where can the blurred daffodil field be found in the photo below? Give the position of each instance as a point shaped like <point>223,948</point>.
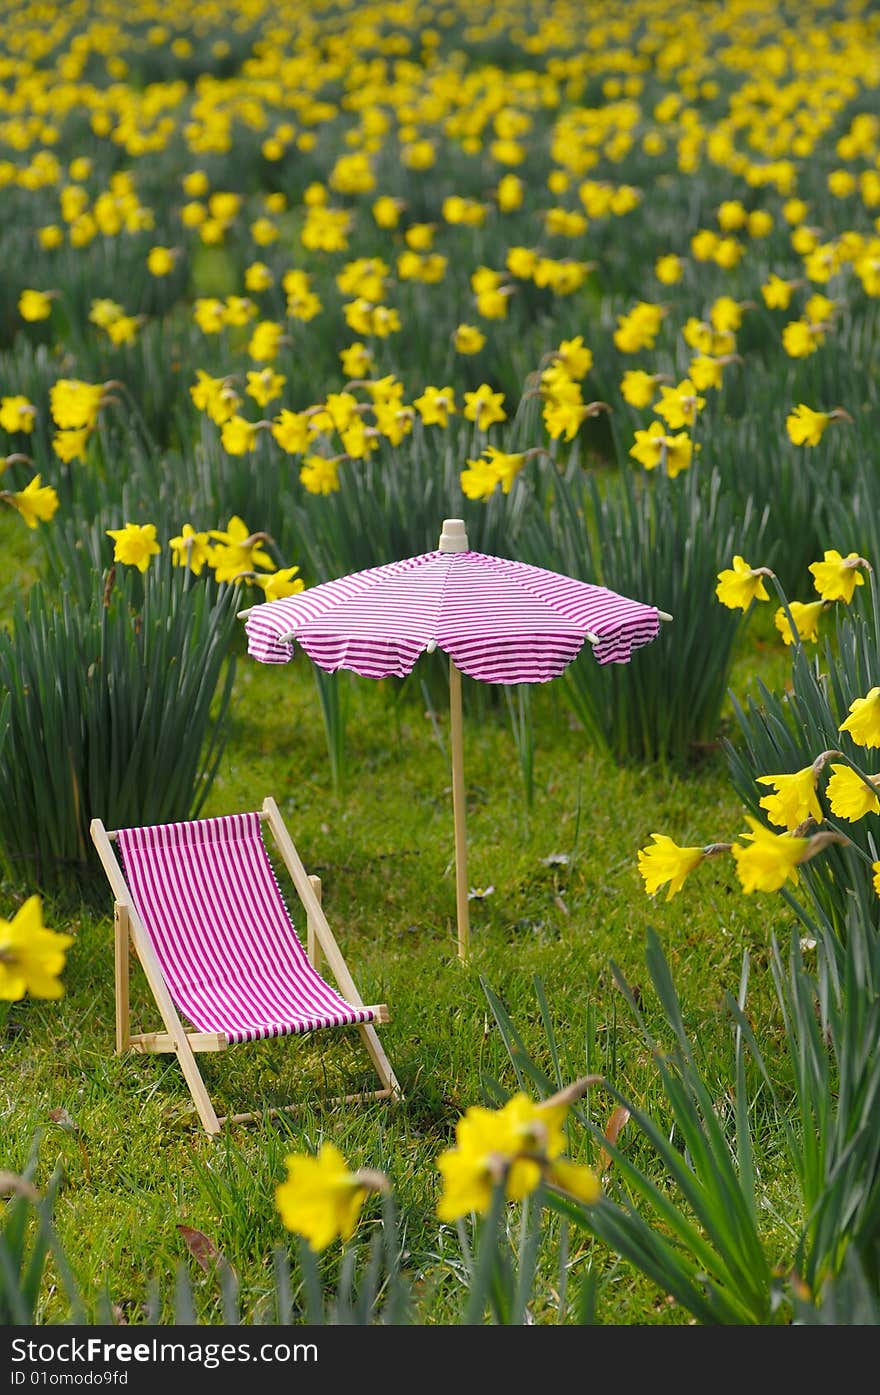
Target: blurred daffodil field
<point>285,285</point>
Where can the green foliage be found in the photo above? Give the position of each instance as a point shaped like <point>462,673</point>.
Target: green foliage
<point>781,732</point>
<point>701,1234</point>
<point>27,1237</point>
<point>110,712</point>
<point>663,542</point>
<point>832,1020</point>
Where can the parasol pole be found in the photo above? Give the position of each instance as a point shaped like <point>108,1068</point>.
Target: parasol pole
<point>454,539</point>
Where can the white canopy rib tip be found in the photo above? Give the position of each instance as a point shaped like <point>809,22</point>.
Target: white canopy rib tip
<point>288,638</point>
<point>663,615</point>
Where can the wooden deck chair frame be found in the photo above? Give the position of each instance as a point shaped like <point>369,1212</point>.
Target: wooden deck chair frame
<point>185,1042</point>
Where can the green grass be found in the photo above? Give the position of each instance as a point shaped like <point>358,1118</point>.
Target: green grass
<point>135,1163</point>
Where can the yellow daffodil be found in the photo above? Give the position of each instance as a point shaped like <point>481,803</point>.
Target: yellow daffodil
<point>668,269</point>
<point>848,794</point>
<point>664,861</point>
<point>37,502</point>
<point>319,474</point>
<point>135,544</point>
<point>265,342</point>
<point>35,305</point>
<point>765,861</point>
<point>75,404</point>
<point>258,277</point>
<point>863,723</point>
<point>103,312</point>
<point>237,551</point>
<point>805,426</point>
<point>435,406</point>
<point>209,314</point>
<point>161,260</point>
<point>284,582</point>
<point>653,447</point>
<point>17,414</point>
<point>806,618</point>
<point>777,293</point>
<point>264,385</point>
<point>290,430</point>
<point>836,577</point>
<point>123,330</point>
<point>190,549</point>
<point>800,338</point>
<point>479,480</point>
<point>638,329</point>
<point>741,584</point>
<point>321,1199</point>
<point>71,445</point>
<point>31,956</point>
<point>468,339</point>
<point>238,435</point>
<point>356,360</point>
<point>387,211</point>
<point>638,387</point>
<point>794,798</point>
<point>238,310</point>
<point>510,1146</point>
<point>483,406</point>
<point>679,405</point>
<point>706,371</point>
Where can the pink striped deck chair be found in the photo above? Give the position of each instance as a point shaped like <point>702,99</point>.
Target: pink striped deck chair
<point>201,905</point>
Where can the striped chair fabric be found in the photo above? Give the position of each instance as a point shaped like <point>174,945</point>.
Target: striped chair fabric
<point>210,902</point>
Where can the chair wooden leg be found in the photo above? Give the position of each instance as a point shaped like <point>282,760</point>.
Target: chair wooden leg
<point>376,1052</point>
<point>313,944</point>
<point>121,966</point>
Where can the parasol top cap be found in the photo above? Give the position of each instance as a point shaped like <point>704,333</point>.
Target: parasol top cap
<point>454,537</point>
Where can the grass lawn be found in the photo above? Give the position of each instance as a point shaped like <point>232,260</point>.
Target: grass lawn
<point>563,898</point>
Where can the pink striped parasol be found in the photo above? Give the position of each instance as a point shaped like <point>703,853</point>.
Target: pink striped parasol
<point>498,621</point>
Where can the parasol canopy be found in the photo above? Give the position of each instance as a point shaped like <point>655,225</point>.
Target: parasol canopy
<point>499,621</point>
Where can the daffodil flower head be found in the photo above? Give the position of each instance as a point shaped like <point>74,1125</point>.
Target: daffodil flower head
<point>863,723</point>
<point>806,616</point>
<point>321,1198</point>
<point>135,544</point>
<point>638,387</point>
<point>284,582</point>
<point>31,956</point>
<point>238,551</point>
<point>37,502</point>
<point>794,798</point>
<point>190,549</point>
<point>836,577</point>
<point>850,795</point>
<point>35,305</point>
<point>468,339</point>
<point>17,414</point>
<point>664,862</point>
<point>765,861</point>
<point>507,1145</point>
<point>483,406</point>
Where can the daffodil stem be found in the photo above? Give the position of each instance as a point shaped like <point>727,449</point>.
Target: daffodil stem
<point>876,610</point>
<point>487,1257</point>
<point>529,1238</point>
<point>866,857</point>
<point>312,1283</point>
<point>783,600</point>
